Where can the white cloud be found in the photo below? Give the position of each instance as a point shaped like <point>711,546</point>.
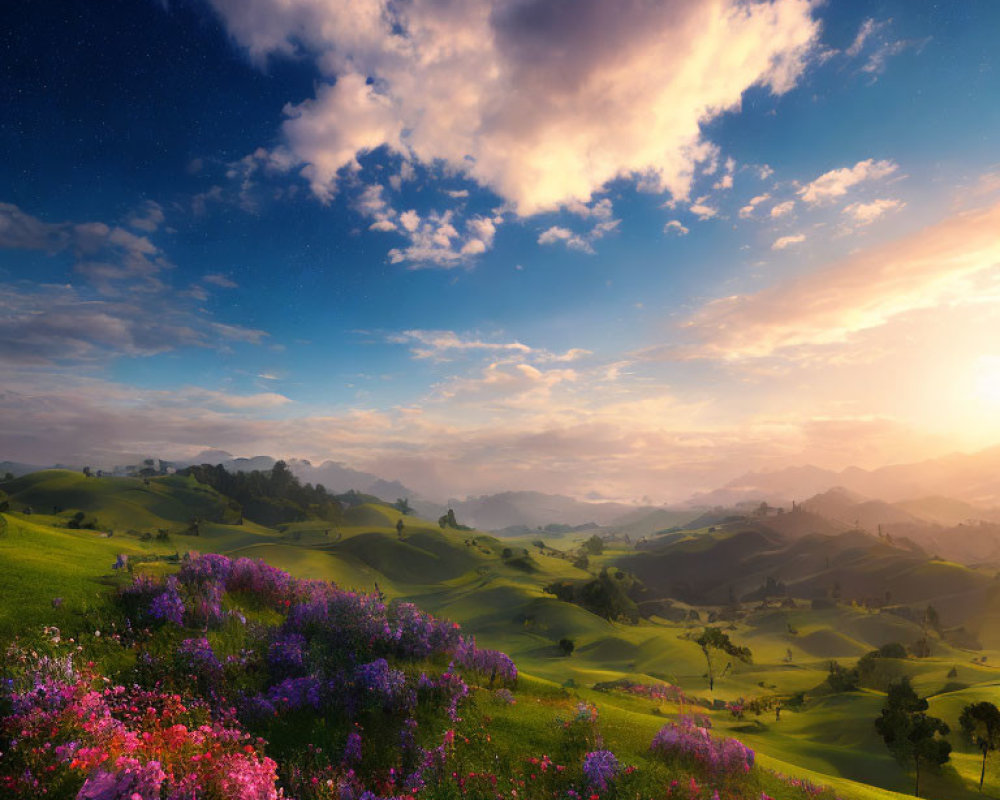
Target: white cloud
<point>435,241</point>
<point>786,241</point>
<point>602,209</point>
<point>725,182</point>
<point>410,220</point>
<point>781,209</point>
<point>559,234</point>
<point>675,226</point>
<point>702,210</point>
<point>866,213</point>
<point>440,345</point>
<point>517,96</point>
<point>837,182</point>
<point>576,241</point>
<point>748,209</point>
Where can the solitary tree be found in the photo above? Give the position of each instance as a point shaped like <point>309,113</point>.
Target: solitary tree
<point>911,735</point>
<point>402,504</point>
<point>713,643</point>
<point>567,646</point>
<point>594,545</point>
<point>980,723</point>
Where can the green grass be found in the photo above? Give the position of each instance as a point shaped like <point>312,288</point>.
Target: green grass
<point>462,576</point>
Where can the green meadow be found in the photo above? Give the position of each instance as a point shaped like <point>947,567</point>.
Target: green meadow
<point>52,574</point>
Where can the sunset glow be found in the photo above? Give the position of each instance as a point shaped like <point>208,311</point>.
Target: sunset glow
<point>474,245</point>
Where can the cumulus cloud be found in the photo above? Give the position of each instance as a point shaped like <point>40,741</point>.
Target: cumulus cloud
<point>782,208</point>
<point>749,208</point>
<point>702,210</point>
<point>435,241</point>
<point>675,226</point>
<point>937,265</point>
<point>787,241</point>
<point>584,242</point>
<point>517,96</point>
<point>572,240</point>
<point>836,183</point>
<point>866,213</point>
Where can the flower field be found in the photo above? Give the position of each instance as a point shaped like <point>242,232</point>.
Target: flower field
<point>232,680</point>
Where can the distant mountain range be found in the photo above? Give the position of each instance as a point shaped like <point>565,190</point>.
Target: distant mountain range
<point>972,478</point>
<point>943,492</point>
<point>494,512</point>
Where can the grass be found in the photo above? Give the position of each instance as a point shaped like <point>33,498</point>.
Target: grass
<point>463,576</point>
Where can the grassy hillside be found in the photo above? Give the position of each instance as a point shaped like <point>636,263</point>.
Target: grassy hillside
<point>117,504</point>
<point>465,576</point>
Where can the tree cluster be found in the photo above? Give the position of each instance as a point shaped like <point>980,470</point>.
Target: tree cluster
<point>610,595</point>
<point>270,497</point>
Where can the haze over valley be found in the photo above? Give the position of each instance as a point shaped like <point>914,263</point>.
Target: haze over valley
<point>499,400</point>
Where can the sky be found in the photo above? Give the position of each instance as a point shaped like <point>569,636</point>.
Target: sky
<point>622,250</point>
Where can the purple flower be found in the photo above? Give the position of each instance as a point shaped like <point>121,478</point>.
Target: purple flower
<point>168,605</point>
<point>286,654</point>
<point>599,768</point>
<point>381,683</point>
<point>352,750</point>
<point>687,739</point>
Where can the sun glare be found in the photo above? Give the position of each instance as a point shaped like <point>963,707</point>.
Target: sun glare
<point>987,379</point>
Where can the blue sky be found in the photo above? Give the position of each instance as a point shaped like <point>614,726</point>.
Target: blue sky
<point>614,250</point>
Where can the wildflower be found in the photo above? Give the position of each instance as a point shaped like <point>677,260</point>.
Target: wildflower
<point>600,767</point>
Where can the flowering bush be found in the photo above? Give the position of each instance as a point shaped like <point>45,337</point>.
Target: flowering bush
<point>125,742</point>
<point>689,740</point>
<point>600,767</point>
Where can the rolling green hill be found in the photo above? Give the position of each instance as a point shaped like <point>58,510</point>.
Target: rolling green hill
<point>466,576</point>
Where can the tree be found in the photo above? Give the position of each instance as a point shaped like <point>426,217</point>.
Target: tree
<point>567,646</point>
<point>402,505</point>
<point>713,642</point>
<point>594,545</point>
<point>980,722</point>
<point>282,478</point>
<point>911,735</point>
